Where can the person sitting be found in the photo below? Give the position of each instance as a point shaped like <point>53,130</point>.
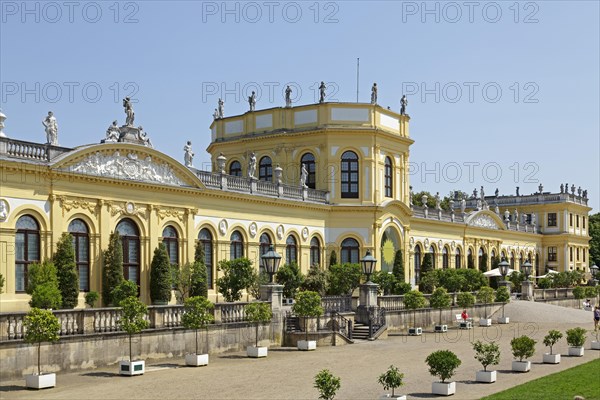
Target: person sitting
<point>464,315</point>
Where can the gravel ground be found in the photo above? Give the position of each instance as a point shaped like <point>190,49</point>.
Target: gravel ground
<point>530,311</point>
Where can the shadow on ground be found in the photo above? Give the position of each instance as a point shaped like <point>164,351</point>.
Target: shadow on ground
<point>101,374</point>
<point>12,388</point>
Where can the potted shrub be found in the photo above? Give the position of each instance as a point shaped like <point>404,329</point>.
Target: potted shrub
<point>132,321</point>
<point>197,315</point>
<point>91,298</point>
<point>486,354</point>
<point>443,363</point>
<point>440,299</point>
<point>258,313</point>
<point>550,340</point>
<point>503,296</point>
<point>465,300</point>
<point>327,384</point>
<point>576,340</point>
<point>391,379</point>
<point>40,326</point>
<point>413,300</point>
<point>523,347</point>
<point>160,276</point>
<point>485,295</point>
<point>308,304</point>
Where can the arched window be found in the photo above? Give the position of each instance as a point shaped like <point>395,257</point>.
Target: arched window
<point>265,169</point>
<point>236,247</point>
<point>291,250</point>
<point>81,244</point>
<point>433,256</point>
<point>235,168</point>
<point>205,238</point>
<point>315,252</point>
<point>350,251</point>
<point>521,261</point>
<point>388,177</point>
<point>27,243</point>
<point>457,258</point>
<point>130,238</point>
<point>482,260</point>
<point>417,263</point>
<point>349,176</point>
<point>265,243</point>
<point>309,162</point>
<point>445,257</point>
<point>512,260</point>
<point>470,260</point>
<point>170,242</point>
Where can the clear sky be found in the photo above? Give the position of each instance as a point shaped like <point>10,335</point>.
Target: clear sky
<point>501,94</point>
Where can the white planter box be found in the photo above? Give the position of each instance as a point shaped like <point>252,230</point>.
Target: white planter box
<point>256,352</point>
<point>521,366</point>
<point>466,325</point>
<point>415,331</point>
<point>40,381</point>
<point>441,328</point>
<point>576,351</point>
<point>307,345</point>
<point>485,376</point>
<point>485,322</point>
<point>395,397</point>
<point>551,358</point>
<point>196,360</point>
<point>131,368</point>
<point>595,345</point>
<point>503,320</point>
<point>443,388</point>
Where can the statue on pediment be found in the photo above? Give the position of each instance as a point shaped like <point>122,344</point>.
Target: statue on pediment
<point>112,133</point>
<point>322,88</point>
<point>130,115</point>
<point>51,129</point>
<point>188,156</point>
<point>288,97</point>
<point>374,94</point>
<point>403,104</point>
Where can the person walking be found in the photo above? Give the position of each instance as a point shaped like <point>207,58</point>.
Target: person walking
<point>596,317</point>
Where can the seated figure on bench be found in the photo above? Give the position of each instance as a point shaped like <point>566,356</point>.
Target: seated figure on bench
<point>465,322</point>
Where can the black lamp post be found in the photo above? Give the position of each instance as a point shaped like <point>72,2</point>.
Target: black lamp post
<point>368,264</point>
<point>594,270</point>
<point>271,260</point>
<point>526,266</point>
<point>503,266</point>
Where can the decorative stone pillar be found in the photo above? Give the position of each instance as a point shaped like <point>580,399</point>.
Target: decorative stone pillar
<point>367,300</point>
<point>527,290</point>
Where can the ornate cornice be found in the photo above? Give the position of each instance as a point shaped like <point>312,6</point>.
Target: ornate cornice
<point>67,204</point>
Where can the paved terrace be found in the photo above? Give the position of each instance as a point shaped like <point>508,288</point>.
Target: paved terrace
<point>288,373</point>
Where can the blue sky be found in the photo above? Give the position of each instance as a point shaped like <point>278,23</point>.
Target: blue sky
<point>501,94</point>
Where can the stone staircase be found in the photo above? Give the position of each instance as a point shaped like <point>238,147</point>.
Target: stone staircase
<point>360,331</point>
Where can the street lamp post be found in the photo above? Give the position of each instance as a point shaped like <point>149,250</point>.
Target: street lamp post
<point>526,285</point>
<point>270,261</point>
<point>368,264</point>
<point>367,294</point>
<point>594,270</point>
<point>503,266</point>
<point>272,292</point>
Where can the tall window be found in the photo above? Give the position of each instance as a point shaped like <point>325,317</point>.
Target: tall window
<point>265,169</point>
<point>130,238</point>
<point>309,162</point>
<point>417,263</point>
<point>291,250</point>
<point>577,221</point>
<point>388,177</point>
<point>349,175</point>
<point>350,251</point>
<point>577,252</point>
<point>205,238</point>
<point>315,252</point>
<point>236,247</point>
<point>552,219</point>
<point>170,242</point>
<point>570,254</point>
<point>235,168</point>
<point>81,243</point>
<point>480,259</point>
<point>551,253</point>
<point>265,243</point>
<point>433,256</point>
<point>512,260</point>
<point>457,258</point>
<point>27,242</point>
<point>445,257</point>
<point>570,219</point>
<point>583,222</point>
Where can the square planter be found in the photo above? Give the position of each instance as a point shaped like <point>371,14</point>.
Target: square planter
<point>256,352</point>
<point>441,328</point>
<point>40,381</point>
<point>466,325</point>
<point>443,388</point>
<point>485,376</point>
<point>415,331</point>
<point>307,345</point>
<point>131,368</point>
<point>503,320</point>
<point>196,360</point>
<point>485,322</point>
<point>576,351</point>
<point>595,345</point>
<point>395,397</point>
<point>551,358</point>
<point>521,366</point>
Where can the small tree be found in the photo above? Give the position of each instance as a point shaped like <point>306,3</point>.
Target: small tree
<point>46,296</point>
<point>385,280</point>
<point>470,262</point>
<point>523,347</point>
<point>290,276</point>
<point>112,273</point>
<point>332,258</point>
<point>440,299</point>
<point>398,269</point>
<point>327,384</point>
<point>308,304</point>
<point>486,295</point>
<point>160,276</point>
<point>487,353</point>
<point>124,290</point>
<point>258,313</point>
<point>576,337</point>
<point>132,318</point>
<point>427,264</point>
<point>484,263</point>
<point>91,298</point>
<point>343,279</point>
<point>41,326</point>
<point>197,315</point>
<point>66,271</point>
<point>258,279</point>
<point>443,364</point>
<point>391,379</point>
<point>502,296</point>
<point>465,299</point>
<point>43,286</point>
<point>199,273</point>
<point>237,275</point>
<point>413,300</point>
<point>579,293</point>
<point>316,280</point>
<point>552,338</point>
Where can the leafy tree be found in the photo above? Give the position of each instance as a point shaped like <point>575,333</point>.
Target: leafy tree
<point>552,338</point>
<point>451,279</point>
<point>41,326</point>
<point>197,314</point>
<point>66,271</point>
<point>516,278</point>
<point>385,280</point>
<point>290,276</point>
<point>343,278</point>
<point>332,258</point>
<point>308,304</point>
<point>523,347</point>
<point>444,202</point>
<point>39,274</point>
<point>473,281</point>
<point>402,288</point>
<point>327,384</point>
<point>429,281</point>
<point>594,232</point>
<point>258,279</point>
<point>486,295</point>
<point>465,299</point>
<point>440,299</point>
<point>160,275</point>
<point>576,337</point>
<point>442,363</point>
<point>413,300</point>
<point>545,283</point>
<point>470,261</point>
<point>391,379</point>
<point>258,313</point>
<point>237,275</point>
<point>112,273</point>
<point>43,286</point>
<point>502,296</point>
<point>487,353</point>
<point>427,264</point>
<point>316,280</point>
<point>91,298</point>
<point>484,263</point>
<point>579,293</point>
<point>124,290</point>
<point>398,269</point>
<point>132,318</point>
<point>199,273</point>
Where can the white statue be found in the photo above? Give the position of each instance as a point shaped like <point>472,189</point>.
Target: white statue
<point>479,205</point>
<point>463,205</point>
<point>51,129</point>
<point>410,196</point>
<point>189,154</point>
<point>128,111</point>
<point>216,114</point>
<point>221,109</point>
<point>112,133</point>
<point>438,204</point>
<point>3,210</point>
<point>506,215</point>
<point>374,94</point>
<point>143,136</point>
<point>303,176</point>
<point>252,166</point>
<point>516,216</point>
<point>288,97</point>
<point>252,101</point>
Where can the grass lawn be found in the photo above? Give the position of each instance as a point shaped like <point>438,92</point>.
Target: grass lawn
<point>583,380</point>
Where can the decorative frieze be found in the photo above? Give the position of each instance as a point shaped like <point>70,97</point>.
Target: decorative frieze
<point>69,204</point>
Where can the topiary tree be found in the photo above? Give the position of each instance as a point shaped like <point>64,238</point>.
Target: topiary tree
<point>385,280</point>
<point>290,276</point>
<point>66,271</point>
<point>402,288</point>
<point>427,264</point>
<point>315,280</point>
<point>523,347</point>
<point>343,279</point>
<point>443,364</point>
<point>112,273</point>
<point>91,298</point>
<point>579,293</point>
<point>327,384</point>
<point>465,299</point>
<point>308,304</point>
<point>332,258</point>
<point>413,300</point>
<point>398,268</point>
<point>473,279</point>
<point>484,263</point>
<point>391,379</point>
<point>502,296</point>
<point>41,326</point>
<point>552,338</point>
<point>486,295</point>
<point>197,314</point>
<point>440,299</point>
<point>124,290</point>
<point>487,353</point>
<point>199,273</point>
<point>237,275</point>
<point>258,313</point>
<point>576,337</point>
<point>160,276</point>
<point>43,286</point>
<point>132,318</point>
<point>259,279</point>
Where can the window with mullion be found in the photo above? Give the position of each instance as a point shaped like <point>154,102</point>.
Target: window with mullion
<point>309,162</point>
<point>265,169</point>
<point>205,238</point>
<point>350,251</point>
<point>315,252</point>
<point>27,246</point>
<point>349,175</point>
<point>291,250</point>
<point>388,177</point>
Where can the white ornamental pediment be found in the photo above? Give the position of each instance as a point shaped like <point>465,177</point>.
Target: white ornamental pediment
<point>484,220</point>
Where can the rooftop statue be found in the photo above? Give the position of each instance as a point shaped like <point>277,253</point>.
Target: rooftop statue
<point>288,97</point>
<point>252,101</point>
<point>252,166</point>
<point>303,176</point>
<point>188,156</point>
<point>221,109</point>
<point>112,133</point>
<point>322,92</point>
<point>51,129</point>
<point>128,111</point>
<point>403,104</point>
<point>374,94</point>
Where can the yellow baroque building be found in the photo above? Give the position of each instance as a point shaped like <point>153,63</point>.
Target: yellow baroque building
<point>309,180</point>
